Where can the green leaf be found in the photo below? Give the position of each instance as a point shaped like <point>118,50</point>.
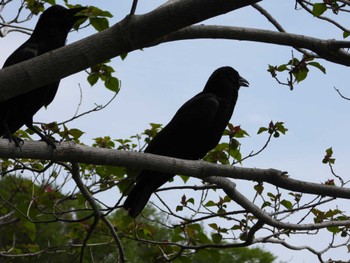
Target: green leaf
<point>241,134</point>
<point>112,84</point>
<point>279,126</point>
<point>123,56</point>
<point>184,178</point>
<point>190,200</point>
<point>221,211</point>
<point>210,203</point>
<point>227,199</point>
<point>329,151</point>
<point>177,238</point>
<point>262,129</point>
<point>213,226</point>
<point>259,188</point>
<point>318,65</point>
<point>147,232</point>
<point>196,227</point>
<point>99,23</point>
<point>216,237</point>
<point>301,74</point>
<point>333,229</point>
<point>98,12</point>
<point>236,154</point>
<point>282,67</point>
<point>30,229</point>
<point>92,79</point>
<point>332,213</point>
<point>202,237</point>
<point>287,204</point>
<point>76,133</point>
<point>271,195</point>
<point>178,230</point>
<point>265,204</point>
<point>346,34</point>
<point>319,8</point>
<point>81,199</point>
<point>179,208</point>
<point>35,6</point>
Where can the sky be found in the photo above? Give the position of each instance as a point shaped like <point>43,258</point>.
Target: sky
<point>158,80</point>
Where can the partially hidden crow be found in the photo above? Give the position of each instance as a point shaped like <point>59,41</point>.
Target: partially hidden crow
<point>195,129</point>
<point>49,33</point>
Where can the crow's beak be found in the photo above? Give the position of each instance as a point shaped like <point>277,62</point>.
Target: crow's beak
<point>243,82</point>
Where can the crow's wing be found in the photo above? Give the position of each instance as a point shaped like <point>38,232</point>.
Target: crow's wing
<point>26,51</point>
<point>186,135</point>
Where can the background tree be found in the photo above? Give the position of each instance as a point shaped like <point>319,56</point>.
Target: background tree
<point>28,237</point>
<point>269,215</point>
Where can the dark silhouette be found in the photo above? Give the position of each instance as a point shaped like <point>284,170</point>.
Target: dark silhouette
<point>195,129</point>
<point>50,33</point>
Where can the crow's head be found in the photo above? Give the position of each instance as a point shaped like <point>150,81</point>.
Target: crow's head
<point>225,82</point>
<point>58,19</point>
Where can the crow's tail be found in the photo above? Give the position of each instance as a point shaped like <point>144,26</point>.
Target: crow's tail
<point>147,183</point>
<point>138,198</point>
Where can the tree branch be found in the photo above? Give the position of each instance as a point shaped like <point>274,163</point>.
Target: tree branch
<point>229,188</point>
<point>72,152</point>
<point>331,50</point>
<point>133,32</point>
<point>97,214</point>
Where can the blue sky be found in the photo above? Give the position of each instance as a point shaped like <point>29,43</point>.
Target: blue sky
<point>158,80</point>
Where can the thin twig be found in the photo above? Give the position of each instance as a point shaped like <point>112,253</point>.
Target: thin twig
<point>133,7</point>
<point>304,6</point>
<point>277,25</point>
<point>341,95</point>
<point>97,214</point>
<point>97,108</point>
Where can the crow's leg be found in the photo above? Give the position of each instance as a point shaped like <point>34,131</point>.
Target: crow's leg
<point>8,135</point>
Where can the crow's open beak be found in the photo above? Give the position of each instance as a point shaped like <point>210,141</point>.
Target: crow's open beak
<point>243,82</point>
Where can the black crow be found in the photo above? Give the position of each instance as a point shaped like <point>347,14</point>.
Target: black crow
<point>195,129</point>
<point>49,33</point>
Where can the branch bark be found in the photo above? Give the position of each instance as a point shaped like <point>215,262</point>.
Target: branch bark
<point>329,49</point>
<point>169,22</point>
<point>133,32</point>
<point>230,189</point>
<point>71,152</point>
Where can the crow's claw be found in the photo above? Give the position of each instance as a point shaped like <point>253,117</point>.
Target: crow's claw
<point>16,140</point>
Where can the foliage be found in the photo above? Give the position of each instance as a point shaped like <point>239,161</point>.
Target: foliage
<point>33,230</point>
<point>44,218</point>
<point>296,69</point>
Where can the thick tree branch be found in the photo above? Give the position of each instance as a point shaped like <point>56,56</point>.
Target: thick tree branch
<point>163,24</point>
<point>71,152</point>
<point>133,32</point>
<point>230,189</point>
<point>328,49</point>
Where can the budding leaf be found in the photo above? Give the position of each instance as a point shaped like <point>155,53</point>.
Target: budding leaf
<point>319,9</point>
